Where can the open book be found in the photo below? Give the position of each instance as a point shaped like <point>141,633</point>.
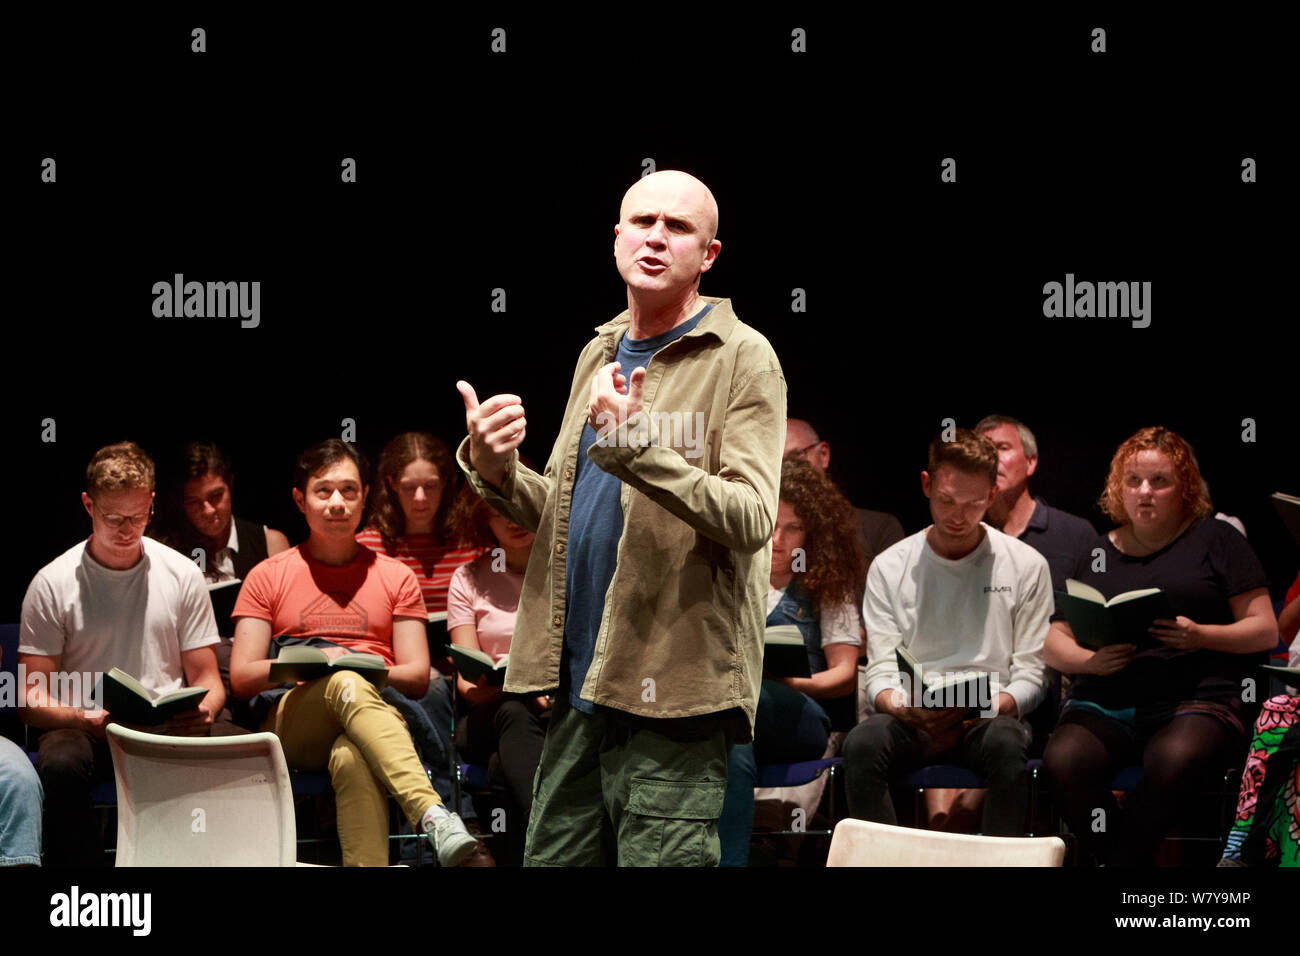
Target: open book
<point>472,663</point>
<point>965,688</point>
<point>301,662</point>
<point>784,653</point>
<point>1292,673</point>
<point>223,595</point>
<point>436,632</point>
<point>1288,506</point>
<point>1124,619</point>
<point>130,702</point>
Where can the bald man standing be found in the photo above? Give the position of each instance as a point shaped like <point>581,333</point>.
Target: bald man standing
<point>643,601</point>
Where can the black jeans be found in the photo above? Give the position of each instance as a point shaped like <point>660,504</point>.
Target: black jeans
<point>883,749</point>
<point>510,727</point>
<point>70,763</point>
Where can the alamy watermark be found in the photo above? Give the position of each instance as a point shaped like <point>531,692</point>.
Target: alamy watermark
<point>208,300</point>
<point>1101,300</point>
<point>75,908</point>
<point>683,430</point>
<point>944,691</point>
<point>60,688</point>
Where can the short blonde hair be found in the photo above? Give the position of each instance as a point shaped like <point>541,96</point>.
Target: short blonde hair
<point>119,467</point>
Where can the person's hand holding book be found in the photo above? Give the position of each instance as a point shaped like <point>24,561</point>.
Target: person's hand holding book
<point>191,723</point>
<point>1181,633</point>
<point>1110,659</point>
<point>95,722</point>
<point>479,691</point>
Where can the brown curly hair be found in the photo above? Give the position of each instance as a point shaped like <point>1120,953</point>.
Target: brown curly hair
<point>385,515</point>
<point>835,565</point>
<point>468,521</point>
<point>1192,491</point>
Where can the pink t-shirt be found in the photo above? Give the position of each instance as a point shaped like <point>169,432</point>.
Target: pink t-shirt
<point>352,606</point>
<point>487,599</point>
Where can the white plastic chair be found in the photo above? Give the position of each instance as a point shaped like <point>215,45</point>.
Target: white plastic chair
<point>862,843</point>
<point>202,801</point>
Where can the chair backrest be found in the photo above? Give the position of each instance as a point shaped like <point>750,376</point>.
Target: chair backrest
<point>202,801</point>
<point>861,843</point>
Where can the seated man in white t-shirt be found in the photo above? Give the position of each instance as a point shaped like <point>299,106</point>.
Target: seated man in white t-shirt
<point>959,596</point>
<point>121,600</point>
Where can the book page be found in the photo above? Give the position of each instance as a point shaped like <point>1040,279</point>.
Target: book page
<point>1080,590</point>
<point>782,634</point>
<point>126,680</point>
<point>1131,596</point>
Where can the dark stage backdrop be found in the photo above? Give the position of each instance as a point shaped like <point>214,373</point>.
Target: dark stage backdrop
<point>479,171</point>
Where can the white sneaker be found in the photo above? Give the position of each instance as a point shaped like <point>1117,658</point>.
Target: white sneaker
<point>449,837</point>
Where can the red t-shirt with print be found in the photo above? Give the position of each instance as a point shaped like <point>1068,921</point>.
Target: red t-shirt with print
<point>352,605</point>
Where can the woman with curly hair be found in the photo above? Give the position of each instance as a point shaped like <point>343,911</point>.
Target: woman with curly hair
<point>816,567</point>
<point>1174,707</point>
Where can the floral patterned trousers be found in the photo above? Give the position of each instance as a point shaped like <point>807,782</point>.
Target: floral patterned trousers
<point>1267,828</point>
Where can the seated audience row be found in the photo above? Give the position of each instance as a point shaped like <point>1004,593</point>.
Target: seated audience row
<point>973,591</point>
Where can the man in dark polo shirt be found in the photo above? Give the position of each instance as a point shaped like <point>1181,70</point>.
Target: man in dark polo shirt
<point>1065,540</point>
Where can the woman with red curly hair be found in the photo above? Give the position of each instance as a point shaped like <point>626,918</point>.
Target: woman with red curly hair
<point>1174,707</point>
<point>816,569</point>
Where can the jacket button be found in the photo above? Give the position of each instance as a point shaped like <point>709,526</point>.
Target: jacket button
<point>568,474</point>
<point>557,621</point>
<point>559,548</point>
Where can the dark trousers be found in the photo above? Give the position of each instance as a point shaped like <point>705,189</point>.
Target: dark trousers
<point>510,727</point>
<point>1184,757</point>
<point>883,749</point>
<point>70,763</point>
<point>789,727</point>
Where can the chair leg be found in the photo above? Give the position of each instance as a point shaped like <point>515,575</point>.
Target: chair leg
<point>453,756</point>
<point>830,802</point>
<point>1033,801</point>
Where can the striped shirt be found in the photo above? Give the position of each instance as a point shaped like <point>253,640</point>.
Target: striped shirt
<point>433,563</point>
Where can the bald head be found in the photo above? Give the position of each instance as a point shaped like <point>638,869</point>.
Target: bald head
<point>801,439</point>
<point>682,193</point>
<point>663,243</point>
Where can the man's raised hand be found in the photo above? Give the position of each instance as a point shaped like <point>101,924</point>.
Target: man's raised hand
<point>613,398</point>
<point>496,428</point>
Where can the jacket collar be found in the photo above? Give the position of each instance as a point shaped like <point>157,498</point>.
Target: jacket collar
<point>719,322</point>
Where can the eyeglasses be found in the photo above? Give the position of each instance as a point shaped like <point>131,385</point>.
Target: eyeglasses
<point>116,521</point>
<point>800,451</point>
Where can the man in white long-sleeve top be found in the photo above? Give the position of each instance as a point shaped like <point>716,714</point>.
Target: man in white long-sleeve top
<point>959,596</point>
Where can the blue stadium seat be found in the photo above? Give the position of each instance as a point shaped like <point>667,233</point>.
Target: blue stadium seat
<point>795,774</point>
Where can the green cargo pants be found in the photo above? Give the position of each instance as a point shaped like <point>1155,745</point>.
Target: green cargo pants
<point>609,789</point>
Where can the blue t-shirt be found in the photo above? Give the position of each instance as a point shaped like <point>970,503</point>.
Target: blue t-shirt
<point>595,527</point>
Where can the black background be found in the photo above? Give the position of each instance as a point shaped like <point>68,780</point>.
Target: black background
<point>479,171</point>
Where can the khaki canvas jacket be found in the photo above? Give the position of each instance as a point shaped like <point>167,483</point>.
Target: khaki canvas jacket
<point>682,628</point>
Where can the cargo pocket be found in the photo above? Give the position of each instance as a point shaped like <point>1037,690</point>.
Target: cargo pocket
<point>672,823</point>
